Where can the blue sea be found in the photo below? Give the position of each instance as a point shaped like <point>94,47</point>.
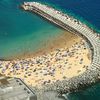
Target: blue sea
<point>22,32</point>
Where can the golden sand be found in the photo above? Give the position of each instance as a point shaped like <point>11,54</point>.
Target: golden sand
<point>64,57</point>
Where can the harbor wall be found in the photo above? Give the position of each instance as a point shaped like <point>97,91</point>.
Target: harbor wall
<point>92,74</point>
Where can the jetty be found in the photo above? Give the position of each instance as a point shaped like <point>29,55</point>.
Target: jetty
<point>92,74</point>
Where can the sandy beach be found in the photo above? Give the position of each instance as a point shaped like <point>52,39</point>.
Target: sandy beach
<point>65,57</point>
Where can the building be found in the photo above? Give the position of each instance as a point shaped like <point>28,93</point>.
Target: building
<point>15,89</point>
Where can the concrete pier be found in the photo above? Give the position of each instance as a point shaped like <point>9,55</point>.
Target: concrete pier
<point>68,23</point>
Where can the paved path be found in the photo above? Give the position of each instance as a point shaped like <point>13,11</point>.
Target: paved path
<point>50,95</point>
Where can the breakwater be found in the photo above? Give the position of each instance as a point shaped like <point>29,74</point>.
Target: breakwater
<point>68,23</point>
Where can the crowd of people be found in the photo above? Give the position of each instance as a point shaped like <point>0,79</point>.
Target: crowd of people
<point>60,64</point>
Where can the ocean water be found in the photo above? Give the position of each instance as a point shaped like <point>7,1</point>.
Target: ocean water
<point>22,32</point>
<point>92,93</point>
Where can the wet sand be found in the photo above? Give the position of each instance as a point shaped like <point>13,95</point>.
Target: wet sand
<point>62,40</point>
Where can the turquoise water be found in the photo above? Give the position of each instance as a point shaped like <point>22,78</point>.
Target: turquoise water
<point>22,32</point>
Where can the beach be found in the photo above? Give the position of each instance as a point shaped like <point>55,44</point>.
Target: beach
<point>21,30</point>
<point>65,57</point>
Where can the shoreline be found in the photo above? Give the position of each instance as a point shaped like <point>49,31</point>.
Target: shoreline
<point>51,44</point>
<point>68,60</point>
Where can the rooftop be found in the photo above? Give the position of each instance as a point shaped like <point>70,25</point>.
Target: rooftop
<point>15,89</point>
